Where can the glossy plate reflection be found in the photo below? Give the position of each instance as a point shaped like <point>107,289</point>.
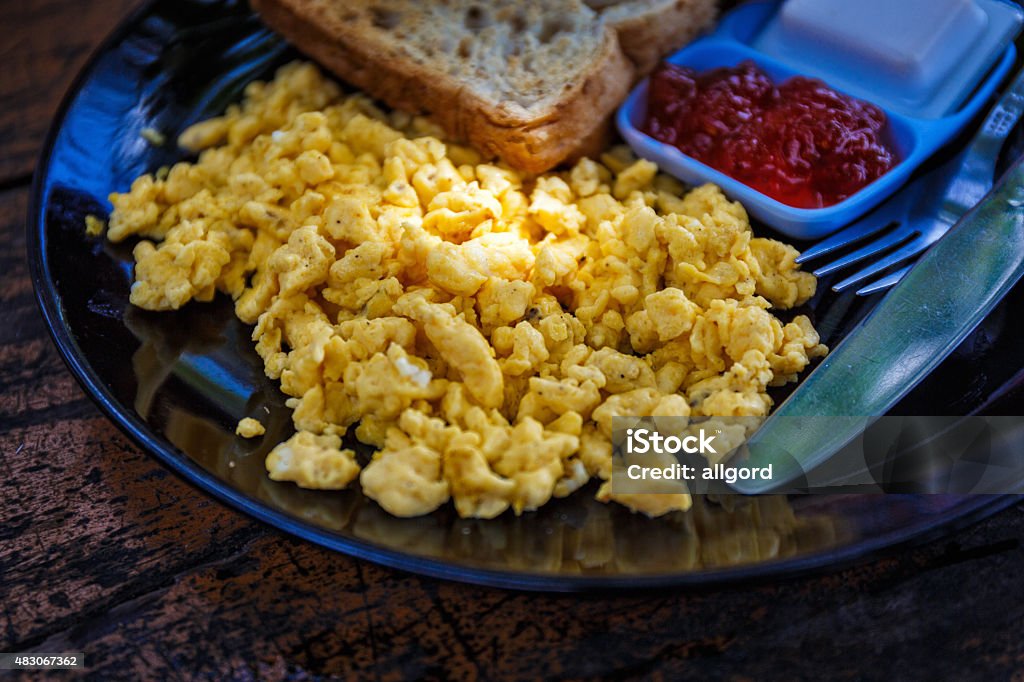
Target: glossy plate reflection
<point>177,383</point>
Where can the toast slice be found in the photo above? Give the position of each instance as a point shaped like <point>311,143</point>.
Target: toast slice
<point>533,82</point>
<point>650,29</point>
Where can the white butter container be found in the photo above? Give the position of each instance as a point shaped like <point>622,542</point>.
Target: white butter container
<point>921,58</point>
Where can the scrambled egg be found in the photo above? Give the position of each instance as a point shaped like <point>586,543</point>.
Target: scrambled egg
<point>250,428</point>
<point>477,327</point>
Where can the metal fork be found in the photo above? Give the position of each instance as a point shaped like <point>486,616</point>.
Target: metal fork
<point>925,209</point>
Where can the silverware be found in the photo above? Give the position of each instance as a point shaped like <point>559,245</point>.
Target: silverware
<point>923,319</point>
<point>926,208</point>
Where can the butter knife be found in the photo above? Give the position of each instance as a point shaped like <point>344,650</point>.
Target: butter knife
<point>920,321</point>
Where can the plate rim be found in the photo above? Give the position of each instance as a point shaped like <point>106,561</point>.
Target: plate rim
<point>141,435</point>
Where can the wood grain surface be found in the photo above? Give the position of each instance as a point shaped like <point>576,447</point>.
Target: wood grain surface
<point>45,43</point>
<point>103,551</point>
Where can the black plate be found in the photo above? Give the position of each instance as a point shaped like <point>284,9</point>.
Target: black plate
<point>177,383</point>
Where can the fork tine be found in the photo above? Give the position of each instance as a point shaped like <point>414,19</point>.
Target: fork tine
<point>912,249</point>
<point>894,238</point>
<point>870,224</point>
<point>885,282</point>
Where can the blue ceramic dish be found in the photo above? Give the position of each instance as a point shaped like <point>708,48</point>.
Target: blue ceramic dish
<point>915,139</point>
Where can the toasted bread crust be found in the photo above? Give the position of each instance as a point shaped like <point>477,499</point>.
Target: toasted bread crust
<point>646,38</point>
<point>531,143</point>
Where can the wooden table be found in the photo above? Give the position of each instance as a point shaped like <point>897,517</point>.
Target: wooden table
<point>103,551</point>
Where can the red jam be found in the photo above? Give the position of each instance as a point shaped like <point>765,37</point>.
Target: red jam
<point>800,142</point>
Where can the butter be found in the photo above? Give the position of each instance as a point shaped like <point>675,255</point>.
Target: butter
<point>918,57</point>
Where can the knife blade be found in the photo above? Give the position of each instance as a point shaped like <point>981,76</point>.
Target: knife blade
<point>920,321</point>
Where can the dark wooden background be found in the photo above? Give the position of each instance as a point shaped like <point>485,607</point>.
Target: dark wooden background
<point>103,551</point>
